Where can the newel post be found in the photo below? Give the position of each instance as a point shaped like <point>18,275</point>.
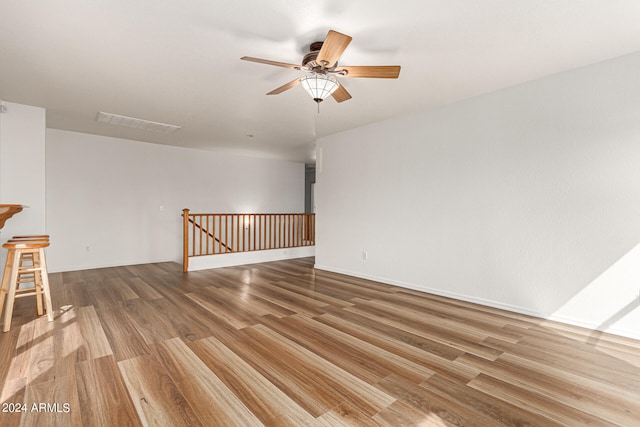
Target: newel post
<point>185,240</point>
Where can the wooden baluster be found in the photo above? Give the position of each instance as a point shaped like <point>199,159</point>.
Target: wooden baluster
<point>237,223</point>
<point>213,234</point>
<point>307,230</point>
<point>185,240</point>
<point>207,234</point>
<point>231,233</point>
<point>244,229</point>
<point>218,234</point>
<point>226,233</point>
<point>199,244</point>
<point>291,231</point>
<point>287,238</point>
<point>193,235</point>
<point>304,229</point>
<point>287,224</point>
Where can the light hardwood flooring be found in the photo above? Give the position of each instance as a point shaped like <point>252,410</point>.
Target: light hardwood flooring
<point>282,344</point>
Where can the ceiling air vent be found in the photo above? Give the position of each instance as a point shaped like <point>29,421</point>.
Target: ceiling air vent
<point>132,122</point>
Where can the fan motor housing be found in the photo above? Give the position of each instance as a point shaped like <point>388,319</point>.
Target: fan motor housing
<point>309,59</point>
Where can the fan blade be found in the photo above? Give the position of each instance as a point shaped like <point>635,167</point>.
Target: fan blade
<point>374,71</point>
<point>268,62</point>
<point>332,48</point>
<point>341,94</point>
<point>284,87</point>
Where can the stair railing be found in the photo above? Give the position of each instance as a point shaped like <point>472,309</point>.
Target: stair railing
<point>220,233</point>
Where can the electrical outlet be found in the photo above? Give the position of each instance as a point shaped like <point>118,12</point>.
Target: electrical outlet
<point>87,249</point>
<point>365,255</point>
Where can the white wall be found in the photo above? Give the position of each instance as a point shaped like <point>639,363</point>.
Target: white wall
<point>22,177</point>
<point>106,194</point>
<point>526,199</point>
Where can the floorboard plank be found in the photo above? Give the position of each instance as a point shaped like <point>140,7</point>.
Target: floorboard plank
<point>155,396</point>
<point>52,403</point>
<point>210,398</point>
<point>270,404</point>
<point>102,394</point>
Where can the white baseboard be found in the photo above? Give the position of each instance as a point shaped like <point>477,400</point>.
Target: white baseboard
<point>489,303</point>
<point>64,269</point>
<point>240,258</point>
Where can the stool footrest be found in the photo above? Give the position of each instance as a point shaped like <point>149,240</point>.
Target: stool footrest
<point>30,294</point>
<point>28,270</point>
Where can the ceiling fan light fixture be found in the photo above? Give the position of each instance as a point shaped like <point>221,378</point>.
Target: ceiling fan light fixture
<point>319,86</point>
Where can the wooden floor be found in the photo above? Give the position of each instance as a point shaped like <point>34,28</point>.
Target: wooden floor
<point>281,344</point>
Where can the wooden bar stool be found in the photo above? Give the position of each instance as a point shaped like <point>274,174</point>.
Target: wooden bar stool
<point>24,275</point>
<point>26,263</point>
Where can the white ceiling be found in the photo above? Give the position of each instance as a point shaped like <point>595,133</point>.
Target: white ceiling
<point>178,62</point>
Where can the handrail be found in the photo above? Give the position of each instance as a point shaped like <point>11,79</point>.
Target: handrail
<point>220,233</point>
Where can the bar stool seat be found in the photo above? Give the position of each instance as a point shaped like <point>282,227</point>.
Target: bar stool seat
<point>26,264</point>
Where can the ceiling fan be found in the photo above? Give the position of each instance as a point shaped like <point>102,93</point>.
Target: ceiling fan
<point>321,65</point>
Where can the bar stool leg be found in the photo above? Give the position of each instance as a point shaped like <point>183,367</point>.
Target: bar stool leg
<point>15,259</point>
<point>44,277</point>
<point>4,289</point>
<point>37,282</point>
